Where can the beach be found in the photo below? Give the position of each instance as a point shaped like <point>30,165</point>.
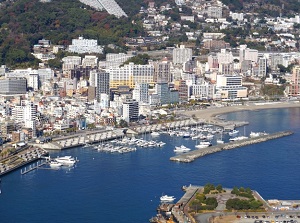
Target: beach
<point>210,114</point>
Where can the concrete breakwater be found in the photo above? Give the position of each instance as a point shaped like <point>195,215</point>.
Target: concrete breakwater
<point>191,156</point>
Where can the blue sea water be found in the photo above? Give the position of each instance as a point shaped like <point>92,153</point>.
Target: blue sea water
<point>125,188</point>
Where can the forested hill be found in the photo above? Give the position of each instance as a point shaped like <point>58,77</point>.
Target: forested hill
<point>24,22</point>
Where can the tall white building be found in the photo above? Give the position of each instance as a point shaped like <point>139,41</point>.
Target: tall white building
<point>225,56</point>
<point>182,54</point>
<point>202,91</point>
<point>230,87</point>
<point>214,12</point>
<point>130,110</point>
<point>82,45</point>
<point>90,61</point>
<point>130,74</point>
<point>248,54</point>
<point>33,81</point>
<point>25,114</point>
<point>141,93</point>
<point>262,67</point>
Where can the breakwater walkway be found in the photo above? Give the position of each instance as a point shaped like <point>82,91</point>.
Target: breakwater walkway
<point>191,156</point>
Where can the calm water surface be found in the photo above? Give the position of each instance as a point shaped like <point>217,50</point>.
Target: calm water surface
<point>125,188</point>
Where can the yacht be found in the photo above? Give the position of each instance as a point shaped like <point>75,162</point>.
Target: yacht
<point>181,149</point>
<point>65,160</point>
<point>238,138</point>
<point>186,135</point>
<point>257,134</point>
<point>155,134</point>
<point>55,164</point>
<point>202,145</point>
<point>233,132</point>
<point>166,198</point>
<point>220,141</point>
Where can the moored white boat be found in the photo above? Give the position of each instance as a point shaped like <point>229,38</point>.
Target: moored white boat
<point>166,198</point>
<point>257,134</point>
<point>238,138</point>
<point>181,149</point>
<point>202,145</point>
<point>55,164</point>
<point>233,132</point>
<point>155,134</point>
<point>65,160</point>
<point>220,141</point>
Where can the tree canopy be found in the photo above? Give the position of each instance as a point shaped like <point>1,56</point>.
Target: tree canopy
<point>24,22</point>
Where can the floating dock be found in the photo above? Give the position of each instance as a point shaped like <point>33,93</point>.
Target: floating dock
<point>191,156</point>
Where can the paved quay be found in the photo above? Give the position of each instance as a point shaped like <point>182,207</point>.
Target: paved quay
<point>21,158</point>
<point>191,156</point>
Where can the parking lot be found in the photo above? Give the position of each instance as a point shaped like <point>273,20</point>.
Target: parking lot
<point>258,218</point>
<point>268,218</point>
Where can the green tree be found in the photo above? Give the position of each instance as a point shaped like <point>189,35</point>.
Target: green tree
<point>123,123</point>
<point>219,188</point>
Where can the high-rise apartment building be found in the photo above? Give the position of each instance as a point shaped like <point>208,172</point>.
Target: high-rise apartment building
<point>131,74</point>
<point>12,86</point>
<point>275,60</point>
<point>294,88</point>
<point>141,93</point>
<point>230,87</point>
<point>262,67</point>
<point>100,80</point>
<point>162,71</point>
<point>82,45</point>
<point>130,110</point>
<point>182,55</point>
<point>26,114</point>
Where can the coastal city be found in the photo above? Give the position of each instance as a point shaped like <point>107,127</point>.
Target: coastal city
<point>118,80</point>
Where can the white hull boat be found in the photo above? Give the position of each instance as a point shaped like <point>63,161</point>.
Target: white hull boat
<point>66,160</point>
<point>166,198</point>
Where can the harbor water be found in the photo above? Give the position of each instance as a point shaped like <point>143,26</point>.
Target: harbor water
<point>125,188</point>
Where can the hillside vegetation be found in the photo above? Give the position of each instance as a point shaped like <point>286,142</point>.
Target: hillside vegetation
<point>24,22</point>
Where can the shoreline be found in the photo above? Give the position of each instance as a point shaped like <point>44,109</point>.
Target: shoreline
<point>212,113</point>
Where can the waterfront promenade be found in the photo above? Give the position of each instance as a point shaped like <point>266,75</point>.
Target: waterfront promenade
<point>191,156</point>
<point>23,157</point>
<point>211,113</point>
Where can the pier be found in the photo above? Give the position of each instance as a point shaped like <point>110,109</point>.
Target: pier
<point>33,167</point>
<point>20,159</point>
<point>191,156</point>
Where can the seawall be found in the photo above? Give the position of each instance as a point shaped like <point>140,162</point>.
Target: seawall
<point>191,156</point>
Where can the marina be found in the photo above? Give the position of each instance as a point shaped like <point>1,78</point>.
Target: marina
<point>94,137</point>
<point>145,173</point>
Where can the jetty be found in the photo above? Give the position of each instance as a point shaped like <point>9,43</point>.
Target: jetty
<point>21,158</point>
<point>191,156</point>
